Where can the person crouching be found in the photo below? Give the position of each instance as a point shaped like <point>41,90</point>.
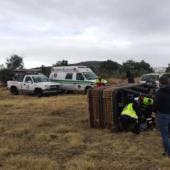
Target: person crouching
<point>129,118</point>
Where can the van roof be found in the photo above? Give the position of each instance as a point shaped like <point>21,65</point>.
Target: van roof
<point>70,68</point>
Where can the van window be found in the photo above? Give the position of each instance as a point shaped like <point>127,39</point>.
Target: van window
<point>55,75</point>
<point>69,76</point>
<point>79,76</point>
<point>90,75</point>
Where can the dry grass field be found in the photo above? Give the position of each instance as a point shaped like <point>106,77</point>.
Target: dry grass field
<point>52,133</point>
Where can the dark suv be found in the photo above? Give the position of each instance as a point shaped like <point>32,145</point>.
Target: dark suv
<point>152,78</point>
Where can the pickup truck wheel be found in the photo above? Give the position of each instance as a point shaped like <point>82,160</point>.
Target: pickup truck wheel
<point>14,90</point>
<point>38,92</point>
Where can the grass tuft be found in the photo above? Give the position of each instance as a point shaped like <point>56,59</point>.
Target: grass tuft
<point>74,139</point>
<point>30,163</point>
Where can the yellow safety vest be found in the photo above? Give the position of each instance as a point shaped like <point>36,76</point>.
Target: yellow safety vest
<point>129,111</point>
<point>98,81</point>
<point>147,101</point>
<point>102,81</point>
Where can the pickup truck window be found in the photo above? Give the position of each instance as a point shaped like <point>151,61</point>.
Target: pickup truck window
<point>38,79</point>
<point>28,80</point>
<point>79,76</point>
<point>19,78</point>
<point>69,76</point>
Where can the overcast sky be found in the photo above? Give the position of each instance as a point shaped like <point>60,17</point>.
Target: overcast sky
<point>45,31</point>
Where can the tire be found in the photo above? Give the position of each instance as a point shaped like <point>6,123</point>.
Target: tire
<point>38,92</point>
<point>14,90</point>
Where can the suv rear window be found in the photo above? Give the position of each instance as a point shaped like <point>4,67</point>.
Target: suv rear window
<point>166,74</point>
<point>150,78</point>
<point>69,76</point>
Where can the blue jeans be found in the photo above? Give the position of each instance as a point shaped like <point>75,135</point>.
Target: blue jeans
<point>163,122</point>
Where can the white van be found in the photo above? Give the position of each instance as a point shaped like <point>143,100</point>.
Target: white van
<point>79,78</point>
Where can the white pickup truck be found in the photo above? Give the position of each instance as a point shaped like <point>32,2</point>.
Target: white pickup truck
<point>33,84</point>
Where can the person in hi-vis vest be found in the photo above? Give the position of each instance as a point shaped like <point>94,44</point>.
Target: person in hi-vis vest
<point>100,81</point>
<point>129,118</point>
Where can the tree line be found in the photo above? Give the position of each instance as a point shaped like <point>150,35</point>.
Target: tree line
<point>111,68</point>
<point>7,70</point>
<point>106,68</point>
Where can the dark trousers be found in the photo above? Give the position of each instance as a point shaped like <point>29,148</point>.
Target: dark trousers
<point>129,124</point>
<point>131,80</point>
<point>163,123</point>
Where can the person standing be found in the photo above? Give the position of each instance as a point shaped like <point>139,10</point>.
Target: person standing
<point>100,81</point>
<point>162,106</point>
<point>130,77</point>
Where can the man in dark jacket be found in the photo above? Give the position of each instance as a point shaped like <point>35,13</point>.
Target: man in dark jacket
<point>130,77</point>
<point>162,105</point>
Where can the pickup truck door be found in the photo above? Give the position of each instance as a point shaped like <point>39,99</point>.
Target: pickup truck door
<point>28,85</point>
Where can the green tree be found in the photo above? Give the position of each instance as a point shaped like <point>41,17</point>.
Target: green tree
<point>1,66</point>
<point>61,63</point>
<point>145,67</point>
<point>14,62</point>
<point>136,68</point>
<point>108,68</point>
<point>5,75</point>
